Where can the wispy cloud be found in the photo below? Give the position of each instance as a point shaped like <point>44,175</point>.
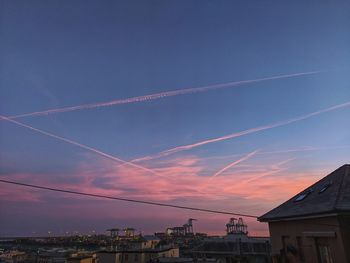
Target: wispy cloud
<point>183,178</point>
<point>242,133</point>
<point>161,95</point>
<point>253,192</point>
<point>184,185</point>
<point>244,158</point>
<point>83,146</point>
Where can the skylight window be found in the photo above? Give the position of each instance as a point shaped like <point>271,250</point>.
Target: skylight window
<point>325,187</point>
<point>303,195</point>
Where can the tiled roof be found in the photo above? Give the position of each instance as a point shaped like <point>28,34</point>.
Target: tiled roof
<point>334,199</point>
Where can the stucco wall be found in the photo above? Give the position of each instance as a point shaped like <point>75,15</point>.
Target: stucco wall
<point>290,231</point>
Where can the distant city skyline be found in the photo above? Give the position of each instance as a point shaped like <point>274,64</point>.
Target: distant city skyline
<point>225,105</point>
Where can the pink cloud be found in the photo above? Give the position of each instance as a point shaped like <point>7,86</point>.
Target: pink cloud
<point>254,189</point>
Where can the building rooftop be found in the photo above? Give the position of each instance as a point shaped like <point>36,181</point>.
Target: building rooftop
<point>144,250</point>
<point>329,195</point>
<point>79,257</point>
<point>184,260</point>
<point>151,238</point>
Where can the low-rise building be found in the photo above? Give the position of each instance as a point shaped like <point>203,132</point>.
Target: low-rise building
<point>81,259</point>
<point>186,260</point>
<point>150,241</point>
<point>236,246</point>
<point>135,256</point>
<point>13,256</point>
<point>314,225</point>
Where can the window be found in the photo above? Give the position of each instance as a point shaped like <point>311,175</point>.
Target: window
<point>325,187</point>
<point>303,195</point>
<point>325,254</point>
<point>300,249</point>
<point>284,243</point>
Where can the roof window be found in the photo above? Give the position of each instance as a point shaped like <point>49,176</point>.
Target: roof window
<point>325,187</point>
<point>303,195</point>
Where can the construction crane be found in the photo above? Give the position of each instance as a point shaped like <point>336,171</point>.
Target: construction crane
<point>236,228</point>
<point>188,227</point>
<point>230,225</point>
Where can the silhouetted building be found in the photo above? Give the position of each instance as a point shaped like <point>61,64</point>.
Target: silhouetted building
<point>186,260</point>
<point>314,225</point>
<point>150,241</point>
<point>81,259</point>
<point>235,247</point>
<point>136,256</point>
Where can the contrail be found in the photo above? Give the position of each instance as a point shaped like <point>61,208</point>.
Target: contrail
<point>79,145</point>
<point>242,133</point>
<point>160,95</point>
<point>244,158</point>
<point>262,175</point>
<point>306,149</point>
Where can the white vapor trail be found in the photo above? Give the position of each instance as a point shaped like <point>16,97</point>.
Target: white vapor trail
<point>244,158</point>
<point>241,133</point>
<point>160,95</point>
<point>79,145</point>
<point>263,175</point>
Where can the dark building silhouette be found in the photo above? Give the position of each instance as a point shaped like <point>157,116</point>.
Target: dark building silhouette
<point>314,225</point>
<point>235,247</point>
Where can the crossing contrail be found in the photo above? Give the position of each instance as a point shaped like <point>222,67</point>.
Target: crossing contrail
<point>160,95</point>
<point>306,149</point>
<point>244,158</point>
<point>79,145</point>
<point>241,133</point>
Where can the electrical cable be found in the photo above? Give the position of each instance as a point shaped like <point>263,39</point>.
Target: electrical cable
<point>125,199</point>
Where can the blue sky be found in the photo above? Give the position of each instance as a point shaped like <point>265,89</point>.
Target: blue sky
<point>63,53</point>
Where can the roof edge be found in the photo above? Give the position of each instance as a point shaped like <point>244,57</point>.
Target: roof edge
<point>346,173</point>
<point>306,216</point>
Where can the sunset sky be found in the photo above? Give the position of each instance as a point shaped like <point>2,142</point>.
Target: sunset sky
<point>243,147</point>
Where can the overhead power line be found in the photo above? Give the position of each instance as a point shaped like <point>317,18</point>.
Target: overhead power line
<point>145,202</point>
<point>125,199</point>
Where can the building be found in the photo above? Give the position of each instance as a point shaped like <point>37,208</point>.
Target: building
<point>81,259</point>
<point>236,246</point>
<point>150,241</point>
<point>186,260</point>
<point>13,256</point>
<point>233,249</point>
<point>314,225</point>
<point>135,256</point>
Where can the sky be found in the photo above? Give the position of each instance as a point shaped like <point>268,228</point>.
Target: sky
<point>267,114</point>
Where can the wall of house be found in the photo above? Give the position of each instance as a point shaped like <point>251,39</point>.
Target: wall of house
<point>303,240</point>
<point>344,221</point>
